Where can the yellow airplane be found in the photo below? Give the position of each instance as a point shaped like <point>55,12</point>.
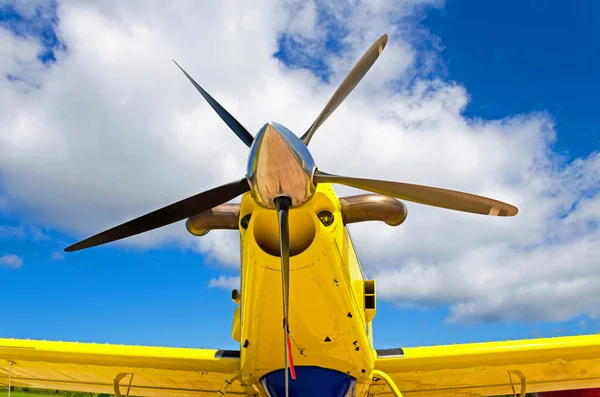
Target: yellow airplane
<point>305,310</point>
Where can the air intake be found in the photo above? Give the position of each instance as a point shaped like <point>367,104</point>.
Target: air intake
<point>369,300</point>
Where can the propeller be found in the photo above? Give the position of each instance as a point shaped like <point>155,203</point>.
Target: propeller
<point>433,196</point>
<point>235,125</point>
<point>352,79</point>
<point>283,205</point>
<point>295,183</point>
<point>184,208</point>
<point>166,215</point>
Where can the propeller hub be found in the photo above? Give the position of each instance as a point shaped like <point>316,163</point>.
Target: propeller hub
<point>279,164</point>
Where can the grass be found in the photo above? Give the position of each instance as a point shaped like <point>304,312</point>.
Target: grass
<point>32,393</point>
<point>28,392</point>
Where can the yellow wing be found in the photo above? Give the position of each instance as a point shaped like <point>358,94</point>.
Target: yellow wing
<point>131,370</point>
<point>491,369</point>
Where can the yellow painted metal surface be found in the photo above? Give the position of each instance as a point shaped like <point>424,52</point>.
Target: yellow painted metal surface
<point>482,369</point>
<point>157,371</point>
<point>330,326</point>
<point>326,318</point>
<point>479,369</point>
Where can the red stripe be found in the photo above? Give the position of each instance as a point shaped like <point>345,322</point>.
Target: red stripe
<point>594,392</point>
<point>292,370</point>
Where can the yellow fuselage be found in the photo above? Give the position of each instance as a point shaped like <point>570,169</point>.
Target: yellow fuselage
<point>328,320</point>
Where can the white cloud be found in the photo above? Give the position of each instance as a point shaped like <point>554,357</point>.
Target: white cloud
<point>225,282</point>
<point>222,246</point>
<point>57,256</point>
<point>113,130</point>
<point>11,260</point>
<point>32,232</point>
<point>11,231</point>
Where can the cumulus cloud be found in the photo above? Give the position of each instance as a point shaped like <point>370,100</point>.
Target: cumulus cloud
<point>225,282</point>
<point>112,130</point>
<point>11,260</point>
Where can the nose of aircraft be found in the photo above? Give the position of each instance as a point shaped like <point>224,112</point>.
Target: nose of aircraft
<point>279,165</point>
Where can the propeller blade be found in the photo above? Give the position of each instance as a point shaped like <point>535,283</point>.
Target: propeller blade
<point>166,215</point>
<point>433,196</point>
<point>283,205</point>
<point>235,126</point>
<point>354,77</point>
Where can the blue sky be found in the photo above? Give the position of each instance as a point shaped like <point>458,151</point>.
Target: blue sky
<point>512,57</point>
<point>515,57</point>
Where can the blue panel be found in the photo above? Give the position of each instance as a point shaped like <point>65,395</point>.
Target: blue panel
<point>310,381</point>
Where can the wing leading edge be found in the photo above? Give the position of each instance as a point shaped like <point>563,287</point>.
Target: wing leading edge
<point>477,369</point>
<point>493,368</point>
<point>128,370</point>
